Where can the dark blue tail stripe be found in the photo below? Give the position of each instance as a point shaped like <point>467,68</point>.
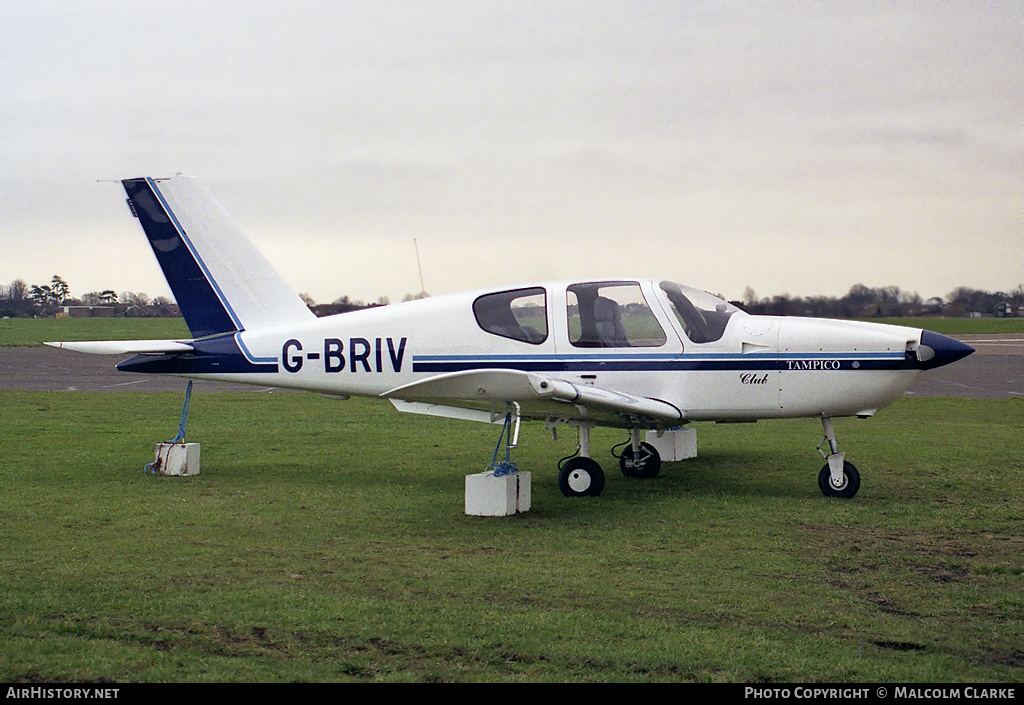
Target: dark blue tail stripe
<point>223,354</point>
<point>199,260</point>
<point>202,305</point>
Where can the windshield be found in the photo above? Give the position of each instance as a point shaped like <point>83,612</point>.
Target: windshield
<point>703,316</point>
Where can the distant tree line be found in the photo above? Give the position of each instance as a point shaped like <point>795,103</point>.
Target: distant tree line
<point>888,301</point>
<point>21,299</point>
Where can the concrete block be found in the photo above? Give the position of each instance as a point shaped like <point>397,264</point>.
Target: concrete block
<point>491,496</point>
<point>176,459</point>
<point>674,445</point>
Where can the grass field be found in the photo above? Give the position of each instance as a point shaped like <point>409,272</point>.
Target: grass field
<point>326,541</point>
<point>28,331</point>
<point>35,331</point>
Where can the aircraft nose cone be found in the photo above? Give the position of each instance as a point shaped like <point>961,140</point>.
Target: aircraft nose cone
<point>937,350</point>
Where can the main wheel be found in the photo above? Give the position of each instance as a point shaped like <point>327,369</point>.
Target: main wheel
<point>581,477</point>
<point>846,489</point>
<point>644,463</point>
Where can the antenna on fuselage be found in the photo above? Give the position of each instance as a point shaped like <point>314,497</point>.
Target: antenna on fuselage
<point>423,289</point>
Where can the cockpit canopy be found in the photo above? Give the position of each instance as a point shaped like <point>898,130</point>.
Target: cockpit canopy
<point>605,314</point>
<point>703,316</point>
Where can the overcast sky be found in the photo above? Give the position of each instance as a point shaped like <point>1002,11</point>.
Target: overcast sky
<point>793,147</point>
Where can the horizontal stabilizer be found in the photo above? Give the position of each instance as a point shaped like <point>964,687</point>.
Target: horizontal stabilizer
<point>124,347</point>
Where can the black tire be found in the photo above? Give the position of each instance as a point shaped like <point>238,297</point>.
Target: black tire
<point>581,477</point>
<point>851,482</point>
<point>646,463</point>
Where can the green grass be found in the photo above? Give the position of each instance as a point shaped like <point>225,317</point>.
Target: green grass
<point>36,331</point>
<point>326,541</point>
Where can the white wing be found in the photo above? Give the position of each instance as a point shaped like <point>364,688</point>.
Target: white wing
<point>538,396</point>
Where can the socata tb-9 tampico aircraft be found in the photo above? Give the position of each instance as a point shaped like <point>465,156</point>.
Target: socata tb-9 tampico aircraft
<point>628,353</point>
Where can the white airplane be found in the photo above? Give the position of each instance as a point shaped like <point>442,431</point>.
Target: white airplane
<point>634,354</point>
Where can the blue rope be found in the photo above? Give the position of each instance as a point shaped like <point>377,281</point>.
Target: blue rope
<point>180,438</point>
<point>182,423</point>
<point>506,467</point>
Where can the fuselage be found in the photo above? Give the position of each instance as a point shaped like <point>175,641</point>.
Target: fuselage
<point>646,338</point>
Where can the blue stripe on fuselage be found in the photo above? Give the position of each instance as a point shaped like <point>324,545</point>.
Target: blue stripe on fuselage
<point>226,354</point>
<point>665,362</point>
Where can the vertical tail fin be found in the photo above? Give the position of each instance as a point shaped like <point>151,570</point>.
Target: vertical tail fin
<point>221,282</point>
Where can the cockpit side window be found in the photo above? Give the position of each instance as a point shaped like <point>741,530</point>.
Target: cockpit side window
<point>611,315</point>
<point>702,316</point>
<point>520,314</point>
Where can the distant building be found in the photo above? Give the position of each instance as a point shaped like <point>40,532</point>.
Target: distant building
<point>1007,310</point>
<point>120,310</point>
<point>88,311</point>
<point>148,311</point>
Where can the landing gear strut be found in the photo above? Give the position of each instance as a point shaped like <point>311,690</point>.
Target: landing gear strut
<point>838,478</point>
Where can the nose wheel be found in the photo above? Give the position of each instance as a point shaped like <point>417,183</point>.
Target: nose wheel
<point>849,481</point>
<point>838,478</point>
